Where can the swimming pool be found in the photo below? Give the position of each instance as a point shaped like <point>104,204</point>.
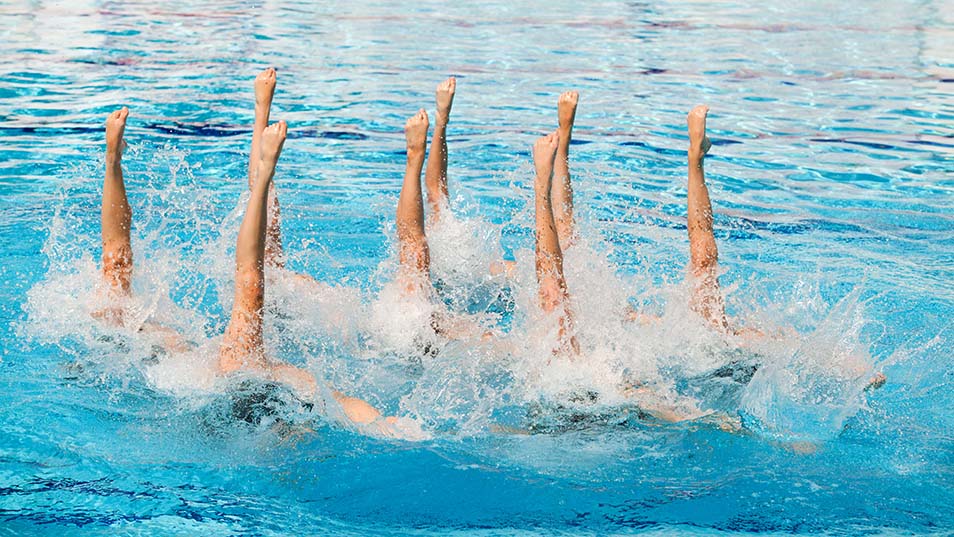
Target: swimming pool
<point>832,178</point>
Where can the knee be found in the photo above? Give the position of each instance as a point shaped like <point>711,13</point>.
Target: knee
<point>249,287</point>
<point>414,253</point>
<point>551,296</point>
<point>705,266</point>
<point>117,256</point>
<point>117,264</point>
<point>250,277</point>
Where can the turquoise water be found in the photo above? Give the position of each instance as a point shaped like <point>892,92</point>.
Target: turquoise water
<point>832,178</point>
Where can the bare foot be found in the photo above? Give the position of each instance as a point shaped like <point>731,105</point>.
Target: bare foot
<point>113,315</point>
<point>633,315</point>
<point>698,141</point>
<point>566,111</point>
<point>273,138</point>
<point>301,381</point>
<point>504,266</point>
<point>801,448</point>
<point>415,131</point>
<point>445,99</point>
<point>544,150</point>
<point>265,89</point>
<point>115,128</point>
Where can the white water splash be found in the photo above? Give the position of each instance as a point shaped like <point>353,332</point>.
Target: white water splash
<point>380,342</point>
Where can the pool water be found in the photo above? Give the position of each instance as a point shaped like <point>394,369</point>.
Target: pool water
<point>832,179</point>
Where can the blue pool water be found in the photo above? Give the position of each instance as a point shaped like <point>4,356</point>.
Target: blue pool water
<point>832,177</point>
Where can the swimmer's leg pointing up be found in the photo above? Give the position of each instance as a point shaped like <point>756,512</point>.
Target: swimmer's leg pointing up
<point>562,189</point>
<point>435,177</point>
<point>703,255</point>
<point>264,92</point>
<point>116,219</point>
<point>116,216</point>
<point>414,255</point>
<point>243,345</point>
<point>549,256</point>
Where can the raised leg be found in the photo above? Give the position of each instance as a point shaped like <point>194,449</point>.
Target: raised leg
<point>414,255</point>
<point>435,176</point>
<point>116,216</point>
<point>549,256</point>
<point>264,92</point>
<point>243,346</point>
<point>703,255</point>
<point>562,191</point>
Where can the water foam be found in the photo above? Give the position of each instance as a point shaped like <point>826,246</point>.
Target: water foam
<point>380,342</point>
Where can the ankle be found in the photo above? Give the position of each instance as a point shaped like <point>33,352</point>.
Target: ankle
<point>263,104</point>
<point>266,167</point>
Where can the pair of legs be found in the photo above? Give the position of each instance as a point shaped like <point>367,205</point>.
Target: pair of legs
<point>555,231</point>
<point>414,255</point>
<point>115,224</point>
<point>116,218</point>
<point>259,244</point>
<point>264,92</point>
<point>706,298</point>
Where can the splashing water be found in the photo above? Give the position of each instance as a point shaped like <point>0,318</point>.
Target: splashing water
<point>831,196</point>
<point>381,342</point>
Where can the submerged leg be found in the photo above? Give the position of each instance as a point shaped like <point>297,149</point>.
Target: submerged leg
<point>549,256</point>
<point>116,216</point>
<point>414,255</point>
<point>435,176</point>
<point>703,254</point>
<point>562,187</point>
<point>264,92</point>
<point>243,346</point>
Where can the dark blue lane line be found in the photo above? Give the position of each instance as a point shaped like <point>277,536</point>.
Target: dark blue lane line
<point>872,145</point>
<point>182,129</point>
<point>876,145</point>
<point>936,144</point>
<point>208,130</point>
